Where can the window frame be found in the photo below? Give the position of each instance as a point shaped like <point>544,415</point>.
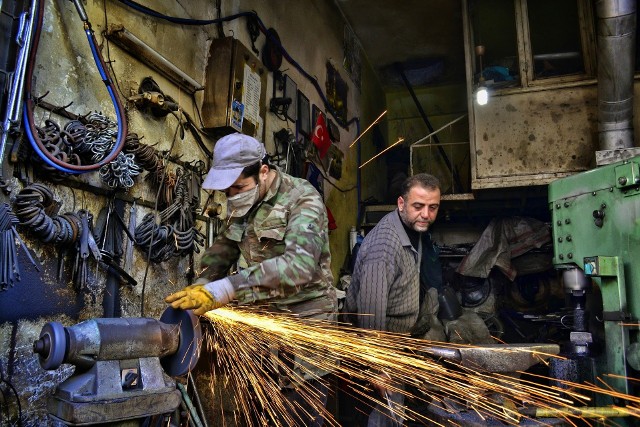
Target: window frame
<point>525,51</point>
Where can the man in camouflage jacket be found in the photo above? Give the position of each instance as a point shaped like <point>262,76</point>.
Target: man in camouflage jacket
<point>277,230</point>
<point>277,226</point>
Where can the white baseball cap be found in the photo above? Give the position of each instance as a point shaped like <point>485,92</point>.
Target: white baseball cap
<point>231,154</point>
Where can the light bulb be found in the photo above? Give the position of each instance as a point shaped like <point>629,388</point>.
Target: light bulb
<point>482,95</point>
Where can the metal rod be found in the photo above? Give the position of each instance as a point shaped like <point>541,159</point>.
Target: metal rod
<point>436,131</point>
<point>143,52</point>
<point>192,410</point>
<point>585,412</point>
<point>14,104</point>
<point>196,394</point>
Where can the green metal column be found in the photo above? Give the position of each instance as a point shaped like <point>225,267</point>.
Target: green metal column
<point>614,301</point>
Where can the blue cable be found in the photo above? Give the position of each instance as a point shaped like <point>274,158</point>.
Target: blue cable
<point>35,143</point>
<point>96,58</point>
<point>105,79</point>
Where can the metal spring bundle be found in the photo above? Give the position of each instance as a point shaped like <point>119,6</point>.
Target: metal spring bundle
<point>36,209</point>
<point>120,172</point>
<point>147,156</point>
<point>166,196</point>
<point>92,137</point>
<point>101,135</point>
<point>154,239</point>
<point>186,236</point>
<point>58,144</point>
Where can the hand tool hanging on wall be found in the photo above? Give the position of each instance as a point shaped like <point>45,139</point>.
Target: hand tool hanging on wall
<point>9,267</point>
<point>86,247</point>
<point>109,234</point>
<point>131,228</point>
<point>147,157</point>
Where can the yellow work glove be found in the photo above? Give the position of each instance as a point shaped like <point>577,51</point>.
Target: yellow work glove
<point>194,297</point>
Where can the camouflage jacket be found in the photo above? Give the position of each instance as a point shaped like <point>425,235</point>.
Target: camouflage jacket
<point>285,244</point>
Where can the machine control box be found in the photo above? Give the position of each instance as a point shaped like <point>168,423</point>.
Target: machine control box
<point>234,91</point>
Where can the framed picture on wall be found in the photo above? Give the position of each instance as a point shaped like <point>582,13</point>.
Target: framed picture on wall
<point>291,91</point>
<point>315,112</point>
<point>304,118</point>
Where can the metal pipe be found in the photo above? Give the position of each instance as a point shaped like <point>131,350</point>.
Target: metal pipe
<point>616,57</point>
<point>143,52</point>
<point>196,394</point>
<point>585,412</point>
<point>190,407</point>
<point>14,104</point>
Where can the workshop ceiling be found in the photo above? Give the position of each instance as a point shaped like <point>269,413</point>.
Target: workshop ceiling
<point>424,36</point>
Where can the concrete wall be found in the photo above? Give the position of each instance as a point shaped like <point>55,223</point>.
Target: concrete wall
<point>310,30</point>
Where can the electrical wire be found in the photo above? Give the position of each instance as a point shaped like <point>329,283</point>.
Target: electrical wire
<point>30,104</point>
<point>108,47</point>
<point>4,397</point>
<point>155,208</point>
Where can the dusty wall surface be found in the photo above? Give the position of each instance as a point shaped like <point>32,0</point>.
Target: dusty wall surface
<point>310,30</point>
<point>525,138</point>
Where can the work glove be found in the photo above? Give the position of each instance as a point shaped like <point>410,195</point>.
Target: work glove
<point>427,314</point>
<point>196,298</point>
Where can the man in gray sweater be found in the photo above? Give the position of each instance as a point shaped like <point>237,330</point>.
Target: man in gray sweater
<point>384,293</point>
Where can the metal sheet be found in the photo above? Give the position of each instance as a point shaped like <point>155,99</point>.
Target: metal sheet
<point>528,138</point>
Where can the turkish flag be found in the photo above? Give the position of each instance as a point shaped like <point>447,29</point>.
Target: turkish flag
<point>320,136</point>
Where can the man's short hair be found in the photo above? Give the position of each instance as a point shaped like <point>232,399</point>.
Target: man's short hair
<point>424,180</point>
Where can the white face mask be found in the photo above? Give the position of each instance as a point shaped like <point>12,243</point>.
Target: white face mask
<point>241,203</point>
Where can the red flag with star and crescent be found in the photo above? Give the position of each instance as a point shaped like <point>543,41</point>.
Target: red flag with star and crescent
<point>321,137</point>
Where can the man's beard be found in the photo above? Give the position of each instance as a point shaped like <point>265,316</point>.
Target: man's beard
<point>413,224</point>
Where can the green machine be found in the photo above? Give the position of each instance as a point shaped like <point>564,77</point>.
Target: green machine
<point>596,241</point>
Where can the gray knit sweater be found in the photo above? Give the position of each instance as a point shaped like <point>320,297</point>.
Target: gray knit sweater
<point>385,287</point>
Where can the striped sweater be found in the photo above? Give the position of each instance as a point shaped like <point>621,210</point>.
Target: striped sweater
<point>385,287</point>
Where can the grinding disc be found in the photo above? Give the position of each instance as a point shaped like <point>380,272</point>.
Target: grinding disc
<point>185,358</point>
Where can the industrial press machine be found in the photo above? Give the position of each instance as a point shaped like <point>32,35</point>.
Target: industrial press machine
<point>596,241</point>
